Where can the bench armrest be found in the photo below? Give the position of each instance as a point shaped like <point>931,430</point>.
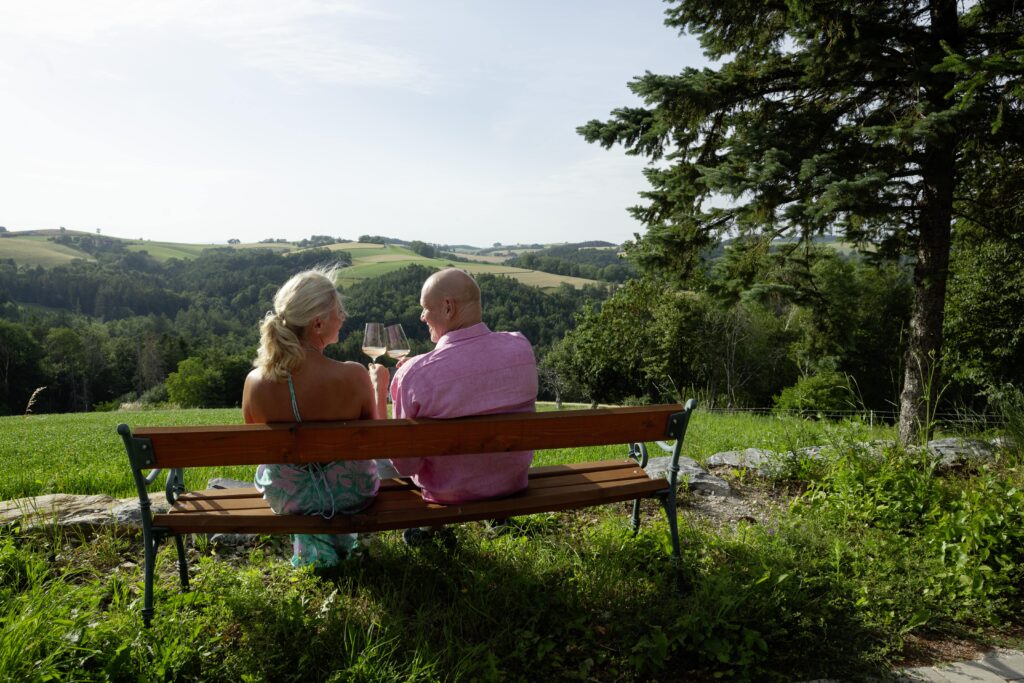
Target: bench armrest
<point>140,458</point>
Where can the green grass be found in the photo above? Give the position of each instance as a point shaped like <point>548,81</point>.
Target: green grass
<point>869,550</point>
<point>163,251</point>
<point>36,250</point>
<point>372,266</point>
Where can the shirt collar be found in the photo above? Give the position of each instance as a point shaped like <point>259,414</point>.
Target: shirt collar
<point>455,336</point>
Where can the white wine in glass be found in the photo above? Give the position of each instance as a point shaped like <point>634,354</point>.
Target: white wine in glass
<point>398,345</point>
<point>373,341</point>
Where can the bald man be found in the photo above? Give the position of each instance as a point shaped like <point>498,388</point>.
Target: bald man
<point>471,371</point>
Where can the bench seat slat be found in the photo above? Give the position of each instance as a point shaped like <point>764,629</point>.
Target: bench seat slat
<point>392,498</point>
<point>224,445</point>
<point>400,509</point>
<point>251,492</point>
<point>536,474</point>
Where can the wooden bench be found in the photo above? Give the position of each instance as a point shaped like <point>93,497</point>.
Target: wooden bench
<point>398,504</point>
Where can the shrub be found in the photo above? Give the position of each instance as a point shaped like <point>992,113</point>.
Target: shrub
<point>824,393</point>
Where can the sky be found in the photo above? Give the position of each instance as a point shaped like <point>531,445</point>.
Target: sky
<point>451,122</point>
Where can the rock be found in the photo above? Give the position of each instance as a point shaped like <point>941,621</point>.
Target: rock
<point>758,460</point>
<point>67,510</point>
<point>695,477</point>
<point>954,452</point>
<point>1004,443</point>
<point>233,540</point>
<point>128,513</point>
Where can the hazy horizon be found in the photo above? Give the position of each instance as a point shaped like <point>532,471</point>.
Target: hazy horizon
<point>200,122</point>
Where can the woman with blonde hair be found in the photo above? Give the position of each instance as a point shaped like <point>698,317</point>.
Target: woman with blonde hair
<point>292,372</point>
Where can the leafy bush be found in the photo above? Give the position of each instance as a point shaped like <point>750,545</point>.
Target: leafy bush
<point>1009,400</point>
<point>964,537</point>
<point>827,393</point>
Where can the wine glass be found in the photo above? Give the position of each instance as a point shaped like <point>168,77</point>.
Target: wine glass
<point>373,341</point>
<point>398,344</point>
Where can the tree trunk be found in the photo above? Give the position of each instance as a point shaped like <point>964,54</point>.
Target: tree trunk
<point>922,374</point>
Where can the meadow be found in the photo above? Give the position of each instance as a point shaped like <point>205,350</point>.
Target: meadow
<point>859,561</point>
<point>373,260</point>
<point>368,260</point>
<point>38,251</point>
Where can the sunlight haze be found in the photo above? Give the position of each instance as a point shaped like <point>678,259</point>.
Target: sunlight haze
<point>447,122</point>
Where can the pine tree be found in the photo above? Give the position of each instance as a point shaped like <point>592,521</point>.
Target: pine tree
<point>820,117</point>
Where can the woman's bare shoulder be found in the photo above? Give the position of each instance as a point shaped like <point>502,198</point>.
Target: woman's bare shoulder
<point>349,370</point>
<point>256,378</point>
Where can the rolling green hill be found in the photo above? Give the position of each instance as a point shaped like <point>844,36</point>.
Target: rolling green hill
<point>369,260</point>
<point>36,250</point>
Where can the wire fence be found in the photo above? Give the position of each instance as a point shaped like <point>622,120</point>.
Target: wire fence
<point>969,418</point>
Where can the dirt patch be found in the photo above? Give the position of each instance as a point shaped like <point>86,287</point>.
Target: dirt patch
<point>927,650</point>
<point>751,500</point>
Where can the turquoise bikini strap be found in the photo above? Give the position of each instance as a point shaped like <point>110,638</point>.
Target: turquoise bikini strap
<point>295,404</point>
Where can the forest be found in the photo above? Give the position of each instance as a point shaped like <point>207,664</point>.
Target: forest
<point>130,329</point>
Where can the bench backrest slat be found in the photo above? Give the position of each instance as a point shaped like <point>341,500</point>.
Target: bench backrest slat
<point>219,445</point>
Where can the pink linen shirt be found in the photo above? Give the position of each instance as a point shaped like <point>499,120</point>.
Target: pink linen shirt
<point>471,371</point>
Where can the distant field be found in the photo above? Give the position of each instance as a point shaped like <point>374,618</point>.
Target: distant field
<point>486,258</point>
<point>163,251</point>
<point>38,251</point>
<point>374,260</point>
<point>368,260</point>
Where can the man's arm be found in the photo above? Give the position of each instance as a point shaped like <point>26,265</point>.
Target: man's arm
<point>403,406</point>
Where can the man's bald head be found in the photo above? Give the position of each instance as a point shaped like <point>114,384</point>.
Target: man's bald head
<point>451,301</point>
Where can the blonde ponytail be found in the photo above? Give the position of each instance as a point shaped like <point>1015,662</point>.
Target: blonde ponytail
<point>307,295</point>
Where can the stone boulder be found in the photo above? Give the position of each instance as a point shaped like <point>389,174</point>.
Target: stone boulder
<point>758,460</point>
<point>691,474</point>
<point>74,511</point>
<point>956,452</point>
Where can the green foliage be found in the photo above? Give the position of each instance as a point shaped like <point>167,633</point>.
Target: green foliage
<point>985,308</point>
<point>1009,402</point>
<point>741,335</point>
<point>872,119</point>
<point>826,393</point>
<point>965,533</point>
<point>211,382</point>
<point>19,370</point>
<point>194,384</point>
<point>105,333</point>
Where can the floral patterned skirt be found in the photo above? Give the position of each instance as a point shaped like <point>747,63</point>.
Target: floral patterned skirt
<point>325,489</point>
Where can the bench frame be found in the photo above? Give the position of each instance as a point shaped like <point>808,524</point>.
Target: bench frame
<point>174,448</point>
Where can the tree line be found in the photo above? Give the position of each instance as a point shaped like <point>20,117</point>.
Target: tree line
<point>798,327</point>
<point>577,260</point>
<point>130,328</point>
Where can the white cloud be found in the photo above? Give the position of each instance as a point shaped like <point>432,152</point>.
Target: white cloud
<point>305,39</point>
